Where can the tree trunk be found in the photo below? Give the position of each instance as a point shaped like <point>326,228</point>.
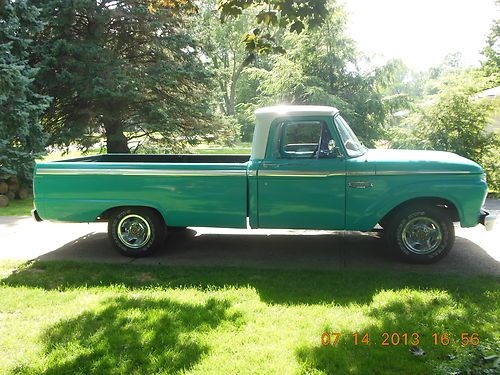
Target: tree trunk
<point>116,142</point>
<point>231,103</point>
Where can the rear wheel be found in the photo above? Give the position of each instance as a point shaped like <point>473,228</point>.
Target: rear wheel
<point>136,232</point>
<point>421,234</point>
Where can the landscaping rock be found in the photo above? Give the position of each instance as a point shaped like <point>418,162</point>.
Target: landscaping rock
<point>13,186</point>
<point>3,187</point>
<point>11,195</point>
<point>415,350</point>
<point>13,180</point>
<point>23,193</point>
<point>4,201</point>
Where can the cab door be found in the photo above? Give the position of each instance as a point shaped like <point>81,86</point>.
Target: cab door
<point>301,182</point>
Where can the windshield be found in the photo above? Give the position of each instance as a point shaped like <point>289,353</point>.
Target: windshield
<point>351,143</point>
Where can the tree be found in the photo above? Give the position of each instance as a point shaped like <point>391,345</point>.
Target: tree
<point>491,66</point>
<point>454,122</point>
<point>21,136</point>
<point>292,15</point>
<point>457,124</point>
<point>119,68</point>
<point>320,66</point>
<point>448,114</point>
<point>225,51</point>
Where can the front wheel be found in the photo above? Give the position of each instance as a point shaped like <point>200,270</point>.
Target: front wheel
<point>421,234</point>
<point>136,232</point>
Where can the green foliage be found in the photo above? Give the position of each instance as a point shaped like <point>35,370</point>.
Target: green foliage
<point>448,114</point>
<point>291,15</point>
<point>246,118</point>
<point>321,67</point>
<point>21,137</point>
<point>163,75</point>
<point>491,65</point>
<point>121,68</point>
<point>226,54</point>
<point>490,161</point>
<point>454,123</point>
<point>457,124</point>
<point>227,132</point>
<point>481,360</point>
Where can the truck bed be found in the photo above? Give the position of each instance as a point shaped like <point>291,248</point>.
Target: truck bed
<point>187,190</point>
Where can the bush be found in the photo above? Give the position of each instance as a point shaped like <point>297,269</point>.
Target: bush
<point>491,164</point>
<point>454,123</point>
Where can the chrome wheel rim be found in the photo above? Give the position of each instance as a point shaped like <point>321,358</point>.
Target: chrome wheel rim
<point>134,231</point>
<point>421,235</point>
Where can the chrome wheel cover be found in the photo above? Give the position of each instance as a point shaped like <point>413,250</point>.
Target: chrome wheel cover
<point>421,235</point>
<point>134,231</point>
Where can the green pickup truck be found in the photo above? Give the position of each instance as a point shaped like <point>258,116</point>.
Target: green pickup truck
<point>307,170</point>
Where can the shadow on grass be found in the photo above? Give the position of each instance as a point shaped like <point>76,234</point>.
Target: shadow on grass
<point>289,287</point>
<point>419,314</point>
<point>131,335</point>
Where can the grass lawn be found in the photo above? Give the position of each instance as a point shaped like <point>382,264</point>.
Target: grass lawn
<point>241,148</point>
<point>78,318</point>
<point>17,208</point>
<point>222,150</point>
<point>61,155</point>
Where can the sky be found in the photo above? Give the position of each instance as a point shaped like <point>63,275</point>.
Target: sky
<point>420,32</point>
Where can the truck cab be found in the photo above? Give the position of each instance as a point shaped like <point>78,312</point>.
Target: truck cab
<point>300,169</point>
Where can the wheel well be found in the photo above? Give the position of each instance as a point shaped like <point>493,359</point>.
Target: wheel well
<point>106,215</point>
<point>444,204</point>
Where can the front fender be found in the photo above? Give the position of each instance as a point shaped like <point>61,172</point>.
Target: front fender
<point>366,207</point>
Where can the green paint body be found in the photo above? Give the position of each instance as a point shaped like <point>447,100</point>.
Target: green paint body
<point>271,193</point>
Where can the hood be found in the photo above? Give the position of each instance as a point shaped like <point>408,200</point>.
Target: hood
<point>420,161</point>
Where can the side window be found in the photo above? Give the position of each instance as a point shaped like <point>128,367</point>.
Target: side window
<point>302,139</point>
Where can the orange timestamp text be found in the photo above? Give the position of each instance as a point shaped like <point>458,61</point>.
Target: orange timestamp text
<point>398,338</point>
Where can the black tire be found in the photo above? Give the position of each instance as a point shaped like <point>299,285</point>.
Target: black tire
<point>149,230</point>
<point>413,229</point>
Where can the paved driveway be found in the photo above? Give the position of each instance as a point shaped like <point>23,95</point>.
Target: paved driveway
<point>475,252</point>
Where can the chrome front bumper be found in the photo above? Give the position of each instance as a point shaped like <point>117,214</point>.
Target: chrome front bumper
<point>487,219</point>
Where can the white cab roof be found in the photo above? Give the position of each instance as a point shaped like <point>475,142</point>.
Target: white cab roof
<point>297,110</point>
<point>265,116</point>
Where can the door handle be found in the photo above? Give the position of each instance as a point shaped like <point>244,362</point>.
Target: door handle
<point>271,165</point>
<point>360,184</point>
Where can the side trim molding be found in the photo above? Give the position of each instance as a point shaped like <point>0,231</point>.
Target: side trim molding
<point>228,172</point>
<point>141,172</point>
<point>395,173</point>
<point>293,173</point>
